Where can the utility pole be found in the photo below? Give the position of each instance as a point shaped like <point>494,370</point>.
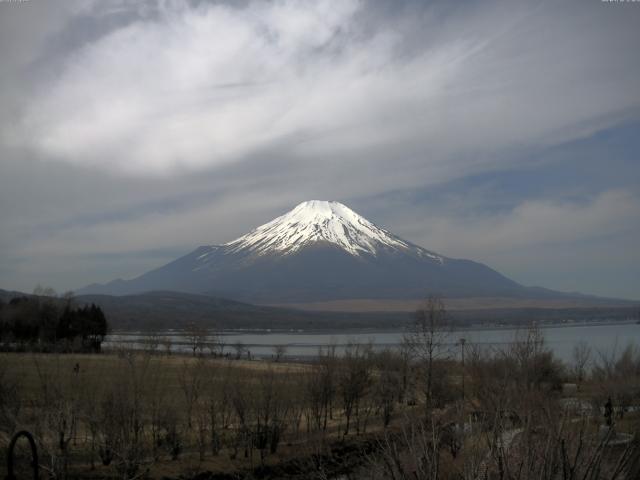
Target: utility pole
<point>462,410</point>
<point>462,342</point>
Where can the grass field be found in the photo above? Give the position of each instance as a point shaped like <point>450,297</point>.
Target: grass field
<point>52,388</point>
<point>139,414</point>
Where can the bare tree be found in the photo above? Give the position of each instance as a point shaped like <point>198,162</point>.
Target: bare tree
<point>10,403</point>
<point>240,349</point>
<point>192,381</point>
<point>617,377</point>
<point>90,408</point>
<point>415,452</point>
<point>279,351</point>
<point>406,356</point>
<point>217,407</point>
<point>328,362</point>
<point>166,343</point>
<point>315,401</point>
<point>581,357</point>
<point>196,337</point>
<point>241,400</point>
<point>427,340</point>
<point>270,409</point>
<point>354,379</point>
<point>156,402</point>
<point>122,422</point>
<point>151,342</point>
<point>42,291</point>
<point>215,343</point>
<point>59,412</point>
<point>388,384</point>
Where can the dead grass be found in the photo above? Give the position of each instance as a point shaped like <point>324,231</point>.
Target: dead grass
<point>106,368</point>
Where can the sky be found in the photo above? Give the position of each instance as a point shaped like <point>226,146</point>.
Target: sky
<point>503,132</point>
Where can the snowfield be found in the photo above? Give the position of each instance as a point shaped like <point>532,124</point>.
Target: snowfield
<point>322,221</point>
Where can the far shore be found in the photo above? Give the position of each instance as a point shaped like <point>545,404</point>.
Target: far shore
<point>369,305</point>
<point>300,331</point>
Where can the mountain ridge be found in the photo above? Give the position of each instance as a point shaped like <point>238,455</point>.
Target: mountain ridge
<point>321,251</point>
<point>160,310</point>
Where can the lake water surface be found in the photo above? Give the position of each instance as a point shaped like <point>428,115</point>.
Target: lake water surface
<point>561,339</point>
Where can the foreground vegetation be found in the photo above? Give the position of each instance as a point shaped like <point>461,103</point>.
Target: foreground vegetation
<point>418,412</point>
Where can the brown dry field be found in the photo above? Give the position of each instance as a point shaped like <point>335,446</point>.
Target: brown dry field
<point>471,303</point>
<point>29,366</point>
<point>298,448</point>
<point>98,369</point>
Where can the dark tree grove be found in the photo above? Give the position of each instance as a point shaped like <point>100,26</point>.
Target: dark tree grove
<point>50,323</point>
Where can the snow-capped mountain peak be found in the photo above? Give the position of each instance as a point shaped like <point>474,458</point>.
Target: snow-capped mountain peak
<point>319,251</point>
<point>317,221</point>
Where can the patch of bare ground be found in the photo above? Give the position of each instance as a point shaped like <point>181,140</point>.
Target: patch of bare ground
<point>470,303</point>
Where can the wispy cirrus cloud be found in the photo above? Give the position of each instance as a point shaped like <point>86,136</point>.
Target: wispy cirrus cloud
<point>133,131</point>
<point>193,87</point>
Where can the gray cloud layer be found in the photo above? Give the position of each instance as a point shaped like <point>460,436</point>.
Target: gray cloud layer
<point>132,134</point>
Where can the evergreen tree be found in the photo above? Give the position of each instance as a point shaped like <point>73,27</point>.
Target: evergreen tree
<point>38,320</point>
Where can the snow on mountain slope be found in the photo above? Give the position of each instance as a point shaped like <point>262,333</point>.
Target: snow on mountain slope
<point>321,221</point>
<point>316,252</point>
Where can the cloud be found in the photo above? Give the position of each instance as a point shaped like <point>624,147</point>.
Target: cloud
<point>536,223</point>
<point>200,86</point>
<point>585,244</point>
<point>191,88</point>
<point>131,133</point>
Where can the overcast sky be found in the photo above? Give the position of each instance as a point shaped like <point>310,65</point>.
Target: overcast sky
<point>503,132</point>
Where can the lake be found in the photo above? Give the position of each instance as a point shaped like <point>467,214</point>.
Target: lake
<point>561,339</point>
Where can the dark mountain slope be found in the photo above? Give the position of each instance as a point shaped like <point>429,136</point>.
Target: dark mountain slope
<point>322,251</point>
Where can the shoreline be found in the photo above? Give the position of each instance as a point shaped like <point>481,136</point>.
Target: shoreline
<point>373,330</point>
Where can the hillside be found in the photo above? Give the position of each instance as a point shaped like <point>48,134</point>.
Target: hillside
<point>323,251</point>
<point>176,310</point>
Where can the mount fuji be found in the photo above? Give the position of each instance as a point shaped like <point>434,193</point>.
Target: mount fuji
<point>320,251</point>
